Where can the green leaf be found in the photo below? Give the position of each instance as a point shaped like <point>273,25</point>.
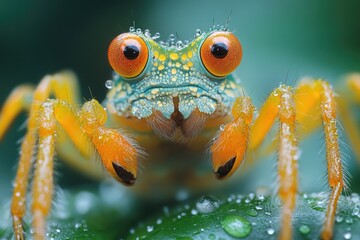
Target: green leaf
<point>88,215</point>
<point>250,217</point>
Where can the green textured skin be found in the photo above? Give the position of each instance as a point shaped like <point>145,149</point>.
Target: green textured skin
<point>172,71</point>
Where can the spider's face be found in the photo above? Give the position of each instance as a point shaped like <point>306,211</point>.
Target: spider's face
<point>172,82</point>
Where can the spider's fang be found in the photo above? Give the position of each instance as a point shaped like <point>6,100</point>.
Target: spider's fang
<point>126,177</point>
<point>224,170</point>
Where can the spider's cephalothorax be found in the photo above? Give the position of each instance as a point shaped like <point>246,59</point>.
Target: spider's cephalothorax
<point>175,88</point>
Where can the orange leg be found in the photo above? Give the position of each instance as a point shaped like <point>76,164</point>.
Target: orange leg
<point>21,99</point>
<point>117,154</point>
<point>287,160</point>
<point>43,176</point>
<point>18,100</point>
<point>280,104</point>
<point>229,147</point>
<point>311,97</point>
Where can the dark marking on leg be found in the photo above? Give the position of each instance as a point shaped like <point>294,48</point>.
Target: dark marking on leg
<point>125,176</point>
<point>224,170</point>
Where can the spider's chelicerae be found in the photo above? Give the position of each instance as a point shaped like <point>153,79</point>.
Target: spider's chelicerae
<point>172,98</point>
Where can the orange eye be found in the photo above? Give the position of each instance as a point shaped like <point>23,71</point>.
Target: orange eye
<point>221,53</point>
<point>128,55</point>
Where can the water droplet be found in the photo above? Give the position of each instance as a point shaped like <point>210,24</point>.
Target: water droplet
<point>261,197</point>
<point>304,229</point>
<point>347,235</point>
<point>258,207</point>
<point>147,33</point>
<point>232,197</point>
<point>355,198</point>
<point>172,37</point>
<point>356,211</point>
<point>156,36</point>
<point>77,225</point>
<point>149,228</point>
<point>207,204</point>
<point>222,127</point>
<point>349,220</point>
<point>131,29</point>
<point>251,212</point>
<point>194,212</point>
<point>138,31</point>
<point>109,84</point>
<point>84,202</point>
<point>159,221</point>
<point>251,196</point>
<point>317,204</point>
<point>179,44</point>
<point>339,219</point>
<point>197,32</point>
<point>236,226</point>
<point>270,231</point>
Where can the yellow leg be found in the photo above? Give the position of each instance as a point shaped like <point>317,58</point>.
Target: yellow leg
<point>280,104</point>
<point>18,100</point>
<point>334,165</point>
<point>312,99</point>
<point>22,98</point>
<point>43,175</point>
<point>287,160</point>
<point>118,155</point>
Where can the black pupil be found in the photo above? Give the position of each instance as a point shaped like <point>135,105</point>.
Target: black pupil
<point>219,50</point>
<point>131,52</point>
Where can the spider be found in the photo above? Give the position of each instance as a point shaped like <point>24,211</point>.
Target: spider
<point>170,98</point>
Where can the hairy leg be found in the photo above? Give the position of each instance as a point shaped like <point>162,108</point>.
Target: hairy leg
<point>25,98</point>
<point>229,147</point>
<point>312,102</point>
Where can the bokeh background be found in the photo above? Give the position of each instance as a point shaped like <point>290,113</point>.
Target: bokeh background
<point>282,41</point>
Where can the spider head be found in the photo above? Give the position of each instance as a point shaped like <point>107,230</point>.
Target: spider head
<point>173,81</point>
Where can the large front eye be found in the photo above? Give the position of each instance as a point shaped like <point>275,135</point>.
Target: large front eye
<point>221,53</point>
<point>128,55</point>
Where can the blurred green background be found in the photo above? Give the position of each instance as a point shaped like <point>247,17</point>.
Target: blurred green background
<point>282,41</point>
